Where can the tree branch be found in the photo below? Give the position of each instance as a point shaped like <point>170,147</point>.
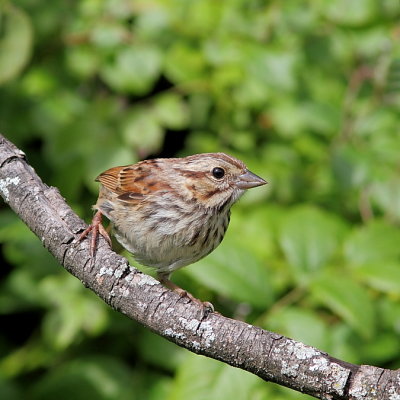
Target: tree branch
<point>271,356</point>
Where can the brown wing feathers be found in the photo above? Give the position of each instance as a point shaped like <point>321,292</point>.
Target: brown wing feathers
<point>133,179</point>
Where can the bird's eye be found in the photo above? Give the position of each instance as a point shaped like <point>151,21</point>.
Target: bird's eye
<point>218,172</point>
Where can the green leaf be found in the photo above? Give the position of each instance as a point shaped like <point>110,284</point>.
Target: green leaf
<point>142,131</point>
<point>379,121</point>
<point>256,227</point>
<point>321,118</point>
<point>236,273</point>
<point>272,68</point>
<point>387,196</point>
<point>84,61</point>
<point>184,63</point>
<point>348,300</point>
<point>389,314</point>
<point>135,69</point>
<point>287,117</point>
<point>353,13</point>
<point>157,351</point>
<point>382,348</point>
<point>9,390</point>
<point>15,41</point>
<point>351,168</point>
<point>96,377</point>
<point>108,34</point>
<point>74,311</point>
<point>309,237</point>
<point>393,78</point>
<point>202,378</point>
<point>344,344</point>
<point>295,323</point>
<point>376,242</point>
<point>171,111</point>
<point>383,276</point>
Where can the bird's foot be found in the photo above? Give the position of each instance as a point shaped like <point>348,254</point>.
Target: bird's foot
<point>96,228</point>
<point>207,306</point>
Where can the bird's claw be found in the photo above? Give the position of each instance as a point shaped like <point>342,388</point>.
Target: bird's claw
<point>207,306</point>
<point>96,228</point>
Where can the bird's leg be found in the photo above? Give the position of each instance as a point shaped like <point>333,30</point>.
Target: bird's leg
<point>164,279</point>
<point>96,227</point>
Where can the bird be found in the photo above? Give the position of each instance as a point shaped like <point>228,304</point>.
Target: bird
<point>170,212</point>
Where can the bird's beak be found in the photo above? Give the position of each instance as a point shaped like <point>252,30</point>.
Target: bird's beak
<point>249,180</point>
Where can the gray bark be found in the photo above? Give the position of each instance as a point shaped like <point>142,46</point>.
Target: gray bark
<point>271,356</point>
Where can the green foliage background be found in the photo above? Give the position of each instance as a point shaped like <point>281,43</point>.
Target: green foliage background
<point>305,92</point>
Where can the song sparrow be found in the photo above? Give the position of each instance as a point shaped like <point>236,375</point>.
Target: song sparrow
<point>171,212</point>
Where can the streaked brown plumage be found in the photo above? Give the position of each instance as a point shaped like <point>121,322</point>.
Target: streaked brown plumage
<point>171,212</point>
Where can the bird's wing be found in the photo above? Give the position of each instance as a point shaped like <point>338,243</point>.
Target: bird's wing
<point>133,182</point>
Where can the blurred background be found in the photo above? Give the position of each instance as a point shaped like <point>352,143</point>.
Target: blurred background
<point>307,93</point>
